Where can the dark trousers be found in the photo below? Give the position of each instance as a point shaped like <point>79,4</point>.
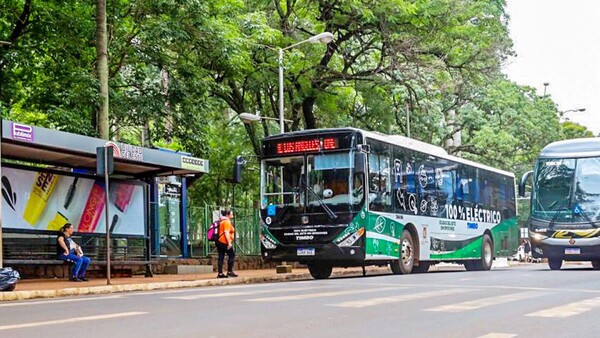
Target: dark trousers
<point>222,249</point>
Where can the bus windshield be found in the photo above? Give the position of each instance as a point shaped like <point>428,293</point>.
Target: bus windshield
<point>307,182</point>
<point>567,190</point>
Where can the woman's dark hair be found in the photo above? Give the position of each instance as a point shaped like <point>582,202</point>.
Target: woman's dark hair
<point>226,212</point>
<point>65,227</point>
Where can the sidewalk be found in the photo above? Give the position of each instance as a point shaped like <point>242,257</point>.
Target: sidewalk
<point>52,288</point>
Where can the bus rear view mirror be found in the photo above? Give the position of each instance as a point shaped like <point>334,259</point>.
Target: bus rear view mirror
<point>523,182</point>
<point>360,162</point>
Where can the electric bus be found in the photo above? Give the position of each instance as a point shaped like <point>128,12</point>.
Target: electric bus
<point>348,197</point>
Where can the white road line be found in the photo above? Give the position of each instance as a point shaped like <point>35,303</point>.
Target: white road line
<point>71,320</point>
<point>485,302</point>
<point>498,335</point>
<point>568,310</point>
<point>236,293</point>
<point>499,287</point>
<point>397,299</point>
<point>319,295</point>
<point>54,301</point>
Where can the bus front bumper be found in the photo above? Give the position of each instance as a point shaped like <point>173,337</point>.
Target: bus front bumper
<point>314,252</point>
<point>567,249</point>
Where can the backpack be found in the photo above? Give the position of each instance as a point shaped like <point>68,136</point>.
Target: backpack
<point>213,231</point>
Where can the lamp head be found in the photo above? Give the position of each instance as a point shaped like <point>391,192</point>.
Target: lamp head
<point>249,118</point>
<point>325,37</point>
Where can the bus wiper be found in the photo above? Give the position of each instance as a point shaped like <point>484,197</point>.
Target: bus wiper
<point>558,210</point>
<point>329,212</point>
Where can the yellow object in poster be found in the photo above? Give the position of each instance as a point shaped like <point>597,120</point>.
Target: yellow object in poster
<point>40,192</point>
<point>58,222</point>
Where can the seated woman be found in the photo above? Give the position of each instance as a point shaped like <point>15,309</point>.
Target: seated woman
<point>68,250</point>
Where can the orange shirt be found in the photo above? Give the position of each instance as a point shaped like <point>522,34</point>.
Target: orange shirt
<point>226,229</point>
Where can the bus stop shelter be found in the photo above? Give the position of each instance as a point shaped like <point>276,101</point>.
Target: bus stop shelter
<point>48,179</point>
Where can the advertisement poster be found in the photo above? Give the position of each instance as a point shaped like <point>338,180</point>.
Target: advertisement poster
<point>45,201</point>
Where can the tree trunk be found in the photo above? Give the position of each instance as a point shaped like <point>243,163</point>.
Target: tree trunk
<point>102,68</point>
<point>307,110</point>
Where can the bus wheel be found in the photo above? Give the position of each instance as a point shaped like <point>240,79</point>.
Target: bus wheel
<point>405,264</point>
<point>554,263</point>
<point>487,256</point>
<point>421,268</point>
<point>596,264</point>
<point>320,271</point>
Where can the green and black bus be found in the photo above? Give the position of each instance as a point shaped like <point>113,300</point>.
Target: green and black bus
<point>348,197</point>
<point>565,202</point>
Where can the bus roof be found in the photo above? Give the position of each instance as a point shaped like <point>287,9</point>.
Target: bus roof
<point>398,140</point>
<point>427,148</point>
<point>579,147</point>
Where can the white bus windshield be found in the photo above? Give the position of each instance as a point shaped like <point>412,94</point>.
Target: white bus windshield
<point>567,190</point>
<point>329,176</point>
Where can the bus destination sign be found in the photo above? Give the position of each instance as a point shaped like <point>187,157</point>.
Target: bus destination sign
<point>302,146</point>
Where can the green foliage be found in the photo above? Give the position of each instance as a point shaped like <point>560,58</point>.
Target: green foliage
<point>182,70</point>
<point>572,130</point>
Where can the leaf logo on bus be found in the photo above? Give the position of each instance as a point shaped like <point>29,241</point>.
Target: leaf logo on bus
<point>379,224</point>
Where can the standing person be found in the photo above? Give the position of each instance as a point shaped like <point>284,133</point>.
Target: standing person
<point>527,250</point>
<point>225,244</point>
<point>68,250</point>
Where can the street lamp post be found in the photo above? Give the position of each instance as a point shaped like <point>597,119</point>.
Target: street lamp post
<point>574,110</point>
<point>325,37</point>
<point>562,113</point>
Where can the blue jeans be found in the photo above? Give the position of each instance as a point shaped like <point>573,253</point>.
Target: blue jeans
<point>81,264</point>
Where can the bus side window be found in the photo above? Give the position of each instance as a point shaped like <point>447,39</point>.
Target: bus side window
<point>380,182</point>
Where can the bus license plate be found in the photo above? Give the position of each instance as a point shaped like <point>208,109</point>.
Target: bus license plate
<point>572,251</point>
<point>306,252</point>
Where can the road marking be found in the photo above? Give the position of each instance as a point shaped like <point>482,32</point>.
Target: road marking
<point>503,287</point>
<point>71,320</point>
<point>42,302</point>
<point>237,293</point>
<point>485,302</point>
<point>568,310</point>
<point>397,299</point>
<point>319,295</point>
<point>498,335</point>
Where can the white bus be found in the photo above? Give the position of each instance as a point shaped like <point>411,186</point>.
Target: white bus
<point>347,197</point>
<point>565,202</point>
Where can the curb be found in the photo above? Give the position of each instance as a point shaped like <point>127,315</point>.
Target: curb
<point>93,290</point>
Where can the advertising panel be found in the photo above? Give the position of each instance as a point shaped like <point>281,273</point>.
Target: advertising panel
<point>46,201</point>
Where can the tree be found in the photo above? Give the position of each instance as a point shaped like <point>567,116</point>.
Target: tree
<point>572,130</point>
<point>102,68</point>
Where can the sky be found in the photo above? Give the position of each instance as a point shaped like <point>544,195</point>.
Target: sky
<point>558,42</point>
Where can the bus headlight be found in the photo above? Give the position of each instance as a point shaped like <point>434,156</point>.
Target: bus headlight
<point>536,236</point>
<point>350,240</point>
<point>267,243</point>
